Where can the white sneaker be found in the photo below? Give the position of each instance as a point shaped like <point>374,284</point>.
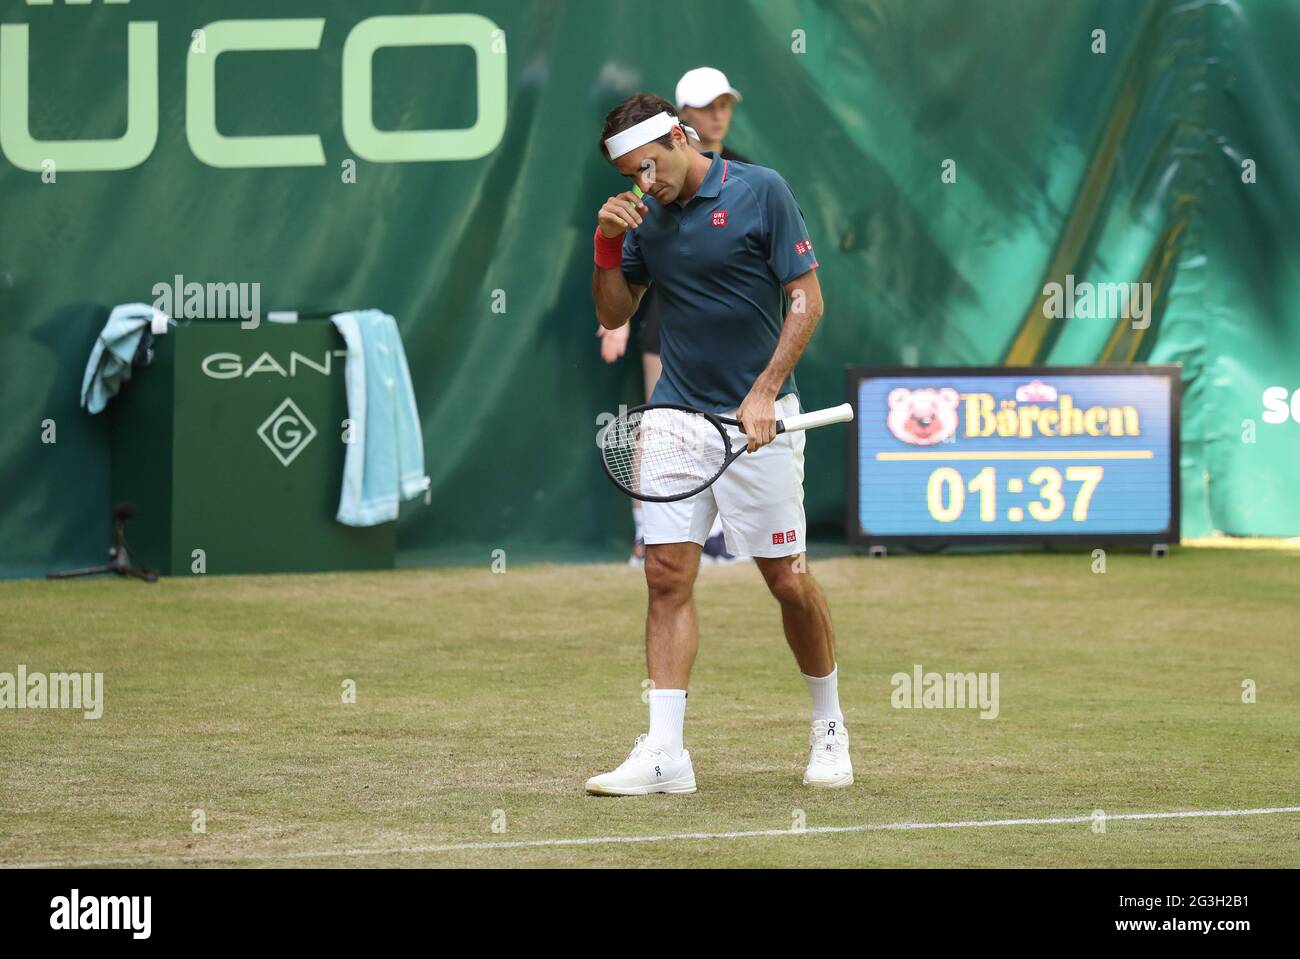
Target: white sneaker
<point>829,765</point>
<point>647,769</point>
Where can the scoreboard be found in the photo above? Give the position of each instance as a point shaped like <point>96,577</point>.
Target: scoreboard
<point>1087,455</point>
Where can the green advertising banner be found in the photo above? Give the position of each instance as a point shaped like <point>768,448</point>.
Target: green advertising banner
<point>987,183</point>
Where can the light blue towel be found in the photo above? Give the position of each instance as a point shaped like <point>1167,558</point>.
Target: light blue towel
<point>384,463</point>
<point>110,360</point>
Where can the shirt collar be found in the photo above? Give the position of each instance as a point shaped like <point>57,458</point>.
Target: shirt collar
<point>711,185</point>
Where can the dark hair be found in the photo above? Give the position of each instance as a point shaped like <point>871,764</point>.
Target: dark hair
<point>637,107</point>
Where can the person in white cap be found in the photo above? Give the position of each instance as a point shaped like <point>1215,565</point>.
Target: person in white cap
<point>726,247</point>
<point>704,100</point>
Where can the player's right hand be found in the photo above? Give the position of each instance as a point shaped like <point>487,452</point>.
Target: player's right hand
<point>620,214</point>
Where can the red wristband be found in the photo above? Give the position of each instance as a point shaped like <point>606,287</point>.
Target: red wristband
<point>609,250</point>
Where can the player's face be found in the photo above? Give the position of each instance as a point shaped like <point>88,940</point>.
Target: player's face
<point>713,121</point>
<point>658,171</point>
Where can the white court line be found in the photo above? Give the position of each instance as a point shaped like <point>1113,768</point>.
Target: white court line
<point>609,840</point>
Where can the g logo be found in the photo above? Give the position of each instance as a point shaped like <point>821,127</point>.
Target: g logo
<point>286,432</point>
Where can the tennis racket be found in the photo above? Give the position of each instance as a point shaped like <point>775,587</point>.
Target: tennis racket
<point>664,452</point>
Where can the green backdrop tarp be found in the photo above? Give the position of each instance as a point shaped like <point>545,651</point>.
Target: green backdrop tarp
<point>1117,166</point>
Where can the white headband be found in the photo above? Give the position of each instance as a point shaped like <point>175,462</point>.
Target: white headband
<point>639,134</point>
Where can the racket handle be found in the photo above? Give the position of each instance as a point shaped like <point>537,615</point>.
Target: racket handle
<point>807,421</point>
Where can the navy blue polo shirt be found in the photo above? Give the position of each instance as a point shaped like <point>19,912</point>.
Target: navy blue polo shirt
<point>719,266</point>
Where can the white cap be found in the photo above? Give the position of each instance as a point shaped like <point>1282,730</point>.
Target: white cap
<point>701,86</point>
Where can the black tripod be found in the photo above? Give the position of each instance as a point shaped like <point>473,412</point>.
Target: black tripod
<point>121,559</point>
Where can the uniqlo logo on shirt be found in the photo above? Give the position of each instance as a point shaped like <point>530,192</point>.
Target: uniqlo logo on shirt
<point>778,539</point>
<point>803,246</point>
<point>789,536</point>
<point>719,217</point>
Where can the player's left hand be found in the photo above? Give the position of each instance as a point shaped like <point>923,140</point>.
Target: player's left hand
<point>758,414</point>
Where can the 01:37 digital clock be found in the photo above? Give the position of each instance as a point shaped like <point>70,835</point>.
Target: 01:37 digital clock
<point>1023,454</point>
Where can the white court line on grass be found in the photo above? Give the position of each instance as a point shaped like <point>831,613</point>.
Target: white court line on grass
<point>609,840</point>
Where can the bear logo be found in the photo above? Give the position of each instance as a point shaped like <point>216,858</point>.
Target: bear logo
<point>923,417</point>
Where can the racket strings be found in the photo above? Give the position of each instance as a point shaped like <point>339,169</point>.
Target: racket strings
<point>663,452</point>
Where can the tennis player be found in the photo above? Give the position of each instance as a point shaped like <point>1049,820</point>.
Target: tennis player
<point>705,99</point>
<point>723,242</point>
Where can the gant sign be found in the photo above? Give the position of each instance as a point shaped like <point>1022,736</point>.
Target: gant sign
<point>267,37</point>
<point>231,366</point>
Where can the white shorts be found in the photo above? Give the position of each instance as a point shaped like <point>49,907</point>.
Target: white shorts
<point>759,499</point>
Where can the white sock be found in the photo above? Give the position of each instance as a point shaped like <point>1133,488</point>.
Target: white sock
<point>825,693</point>
<point>667,715</point>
